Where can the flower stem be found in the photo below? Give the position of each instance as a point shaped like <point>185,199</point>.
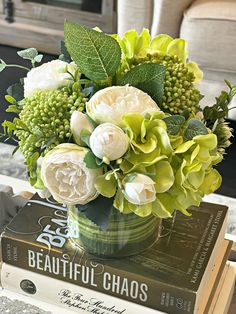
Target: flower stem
<point>17,66</point>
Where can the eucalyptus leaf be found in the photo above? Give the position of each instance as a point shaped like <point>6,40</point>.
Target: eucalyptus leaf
<point>38,58</point>
<point>97,55</point>
<point>98,211</point>
<point>174,123</point>
<point>16,91</point>
<point>194,128</point>
<point>2,66</point>
<point>147,77</point>
<point>28,54</point>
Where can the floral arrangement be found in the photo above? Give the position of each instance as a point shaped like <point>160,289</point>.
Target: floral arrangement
<point>117,121</point>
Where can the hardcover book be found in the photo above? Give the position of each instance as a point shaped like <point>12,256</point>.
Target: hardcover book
<point>170,276</point>
<point>82,300</point>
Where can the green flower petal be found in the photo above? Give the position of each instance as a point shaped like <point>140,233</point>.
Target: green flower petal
<point>164,177</point>
<point>162,209</point>
<point>143,43</point>
<point>208,141</point>
<point>141,210</point>
<point>160,43</point>
<point>183,148</point>
<point>211,182</point>
<point>178,47</point>
<point>163,140</point>
<point>136,160</point>
<point>196,179</point>
<point>194,68</point>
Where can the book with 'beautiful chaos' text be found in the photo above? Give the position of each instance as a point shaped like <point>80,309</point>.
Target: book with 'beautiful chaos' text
<point>169,277</point>
<point>73,298</point>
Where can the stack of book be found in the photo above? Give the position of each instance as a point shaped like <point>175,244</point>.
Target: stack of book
<point>185,271</point>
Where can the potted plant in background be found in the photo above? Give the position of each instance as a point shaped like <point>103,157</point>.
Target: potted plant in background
<point>113,129</point>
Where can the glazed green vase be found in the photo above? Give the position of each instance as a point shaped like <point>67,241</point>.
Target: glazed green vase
<point>126,234</point>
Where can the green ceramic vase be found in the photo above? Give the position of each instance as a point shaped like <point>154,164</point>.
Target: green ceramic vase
<point>126,234</point>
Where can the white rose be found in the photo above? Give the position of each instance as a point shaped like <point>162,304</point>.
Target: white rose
<point>140,190</point>
<point>109,141</point>
<point>111,103</point>
<point>78,122</point>
<point>47,77</point>
<point>66,176</point>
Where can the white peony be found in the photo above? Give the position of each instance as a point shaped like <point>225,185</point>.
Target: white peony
<point>140,190</point>
<point>66,176</point>
<point>47,76</point>
<point>111,103</point>
<point>109,141</point>
<point>78,122</point>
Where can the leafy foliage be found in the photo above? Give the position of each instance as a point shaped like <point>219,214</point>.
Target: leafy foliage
<point>96,54</point>
<point>16,91</point>
<point>30,54</point>
<point>194,128</point>
<point>147,77</point>
<point>64,56</point>
<point>174,123</point>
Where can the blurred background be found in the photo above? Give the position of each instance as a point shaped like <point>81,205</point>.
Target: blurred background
<point>209,26</point>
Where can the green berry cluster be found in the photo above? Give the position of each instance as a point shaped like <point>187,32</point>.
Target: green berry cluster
<point>47,117</point>
<point>179,91</point>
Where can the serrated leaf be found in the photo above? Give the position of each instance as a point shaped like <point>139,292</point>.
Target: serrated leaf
<point>97,55</point>
<point>194,128</point>
<point>28,54</point>
<point>90,161</point>
<point>10,99</point>
<point>98,211</point>
<point>38,58</point>
<point>174,123</point>
<point>147,77</point>
<point>16,91</point>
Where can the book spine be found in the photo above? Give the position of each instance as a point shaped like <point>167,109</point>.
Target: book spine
<point>100,277</point>
<point>69,296</point>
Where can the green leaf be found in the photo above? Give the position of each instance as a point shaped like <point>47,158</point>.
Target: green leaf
<point>64,56</point>
<point>16,91</point>
<point>91,161</point>
<point>147,77</point>
<point>2,65</point>
<point>106,187</point>
<point>98,211</point>
<point>13,108</point>
<point>194,128</point>
<point>97,55</point>
<point>10,99</point>
<point>85,136</point>
<point>28,54</point>
<point>174,123</point>
<point>38,58</point>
